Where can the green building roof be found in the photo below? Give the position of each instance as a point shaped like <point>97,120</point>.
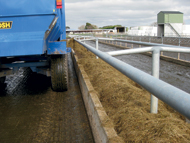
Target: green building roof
<point>169,17</point>
<point>171,12</point>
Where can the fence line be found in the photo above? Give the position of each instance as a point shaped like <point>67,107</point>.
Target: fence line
<point>176,98</point>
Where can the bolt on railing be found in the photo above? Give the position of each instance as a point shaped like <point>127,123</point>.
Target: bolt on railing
<point>172,96</point>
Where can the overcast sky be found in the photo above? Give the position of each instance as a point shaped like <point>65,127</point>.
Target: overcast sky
<point>124,12</point>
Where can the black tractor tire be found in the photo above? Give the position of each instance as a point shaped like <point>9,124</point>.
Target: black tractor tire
<point>59,73</point>
<point>2,80</point>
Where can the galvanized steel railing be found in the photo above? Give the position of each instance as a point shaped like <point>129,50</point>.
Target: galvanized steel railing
<point>178,56</point>
<point>178,41</point>
<point>174,97</point>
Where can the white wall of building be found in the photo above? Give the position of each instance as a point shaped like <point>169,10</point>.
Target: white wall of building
<point>186,29</point>
<point>143,31</point>
<point>167,30</point>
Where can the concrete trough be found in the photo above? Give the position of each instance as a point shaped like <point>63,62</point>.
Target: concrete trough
<point>101,125</point>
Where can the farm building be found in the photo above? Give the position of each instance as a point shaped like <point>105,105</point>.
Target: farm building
<point>170,23</point>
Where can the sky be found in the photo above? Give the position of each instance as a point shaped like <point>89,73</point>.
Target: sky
<point>123,12</point>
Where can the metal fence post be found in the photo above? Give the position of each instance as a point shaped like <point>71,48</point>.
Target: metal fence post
<point>84,39</point>
<point>155,73</point>
<point>178,56</point>
<point>97,46</point>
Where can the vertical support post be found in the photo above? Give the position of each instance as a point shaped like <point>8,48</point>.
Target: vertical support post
<point>178,56</point>
<point>155,73</point>
<point>84,39</point>
<point>149,39</point>
<point>131,46</point>
<point>97,46</point>
<point>125,44</point>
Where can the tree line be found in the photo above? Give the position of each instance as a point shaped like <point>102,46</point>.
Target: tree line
<point>92,26</point>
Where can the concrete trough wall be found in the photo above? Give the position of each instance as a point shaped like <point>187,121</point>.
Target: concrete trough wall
<point>101,125</point>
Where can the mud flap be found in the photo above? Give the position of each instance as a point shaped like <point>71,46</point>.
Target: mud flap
<point>57,48</point>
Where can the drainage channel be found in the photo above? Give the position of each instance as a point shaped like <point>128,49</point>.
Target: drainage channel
<point>31,112</point>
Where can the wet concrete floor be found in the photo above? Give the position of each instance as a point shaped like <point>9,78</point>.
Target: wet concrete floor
<point>174,74</point>
<point>30,112</point>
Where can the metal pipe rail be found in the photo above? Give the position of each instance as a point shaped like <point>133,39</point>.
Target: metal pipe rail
<point>155,63</point>
<point>140,43</point>
<point>148,49</point>
<point>174,97</point>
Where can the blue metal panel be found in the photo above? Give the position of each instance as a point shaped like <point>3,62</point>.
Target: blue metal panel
<point>30,20</point>
<point>63,24</point>
<point>55,34</point>
<point>22,48</point>
<point>27,7</point>
<point>28,23</point>
<point>21,36</point>
<point>26,36</point>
